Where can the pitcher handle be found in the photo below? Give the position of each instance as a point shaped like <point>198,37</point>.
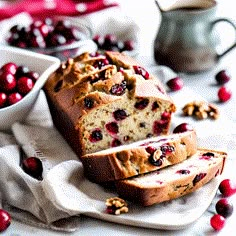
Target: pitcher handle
<point>234,44</point>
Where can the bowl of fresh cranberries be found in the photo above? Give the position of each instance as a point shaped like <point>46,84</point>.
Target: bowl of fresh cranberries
<point>59,37</point>
<point>22,75</point>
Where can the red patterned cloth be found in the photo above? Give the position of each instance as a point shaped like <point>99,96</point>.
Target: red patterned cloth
<point>46,8</point>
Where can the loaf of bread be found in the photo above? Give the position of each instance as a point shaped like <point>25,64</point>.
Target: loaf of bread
<point>173,181</point>
<point>139,157</point>
<point>102,101</point>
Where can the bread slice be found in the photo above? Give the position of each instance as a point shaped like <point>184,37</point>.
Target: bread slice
<point>139,157</point>
<point>174,181</point>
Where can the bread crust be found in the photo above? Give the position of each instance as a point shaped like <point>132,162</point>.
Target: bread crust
<point>158,188</point>
<point>131,160</point>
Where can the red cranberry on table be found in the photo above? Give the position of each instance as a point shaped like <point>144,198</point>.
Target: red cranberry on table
<point>183,127</point>
<point>222,77</point>
<point>5,220</point>
<point>224,94</point>
<point>175,84</point>
<point>224,207</point>
<point>227,187</point>
<point>33,167</point>
<point>217,222</point>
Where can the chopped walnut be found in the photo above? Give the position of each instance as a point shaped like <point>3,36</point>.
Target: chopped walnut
<point>201,110</point>
<point>116,206</point>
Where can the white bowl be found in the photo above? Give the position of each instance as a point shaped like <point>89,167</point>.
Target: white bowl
<point>40,63</point>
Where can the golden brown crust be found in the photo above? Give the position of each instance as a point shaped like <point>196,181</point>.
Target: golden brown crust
<point>128,161</point>
<point>122,60</point>
<point>154,191</point>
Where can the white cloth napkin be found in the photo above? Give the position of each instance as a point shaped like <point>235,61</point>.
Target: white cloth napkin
<point>57,201</point>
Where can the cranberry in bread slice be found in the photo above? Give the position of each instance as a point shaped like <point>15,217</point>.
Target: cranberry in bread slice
<point>139,157</point>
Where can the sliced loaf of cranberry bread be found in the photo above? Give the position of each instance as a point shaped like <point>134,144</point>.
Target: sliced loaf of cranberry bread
<point>139,157</point>
<point>173,181</point>
<point>106,100</point>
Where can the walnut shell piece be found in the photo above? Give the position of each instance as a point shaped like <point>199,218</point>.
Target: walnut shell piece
<point>116,206</point>
<point>201,110</point>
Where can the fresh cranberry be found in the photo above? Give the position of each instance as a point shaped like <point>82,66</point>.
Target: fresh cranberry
<point>142,104</point>
<point>224,94</point>
<point>33,167</point>
<point>7,81</point>
<point>99,40</point>
<point>61,25</point>
<point>14,98</point>
<point>198,178</point>
<point>227,187</point>
<point>183,127</point>
<point>3,99</point>
<point>10,68</point>
<point>175,84</point>
<point>224,207</point>
<point>96,136</point>
<point>141,71</point>
<point>5,220</point>
<point>217,222</point>
<point>22,71</point>
<point>222,77</point>
<point>110,41</point>
<point>112,127</point>
<point>33,75</point>
<point>120,114</point>
<point>25,85</point>
<point>41,27</point>
<point>37,41</point>
<point>55,40</point>
<point>128,45</point>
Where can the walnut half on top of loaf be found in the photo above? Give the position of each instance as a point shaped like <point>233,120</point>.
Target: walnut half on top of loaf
<point>98,101</point>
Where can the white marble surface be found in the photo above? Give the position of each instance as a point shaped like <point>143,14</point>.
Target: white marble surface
<point>147,16</point>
